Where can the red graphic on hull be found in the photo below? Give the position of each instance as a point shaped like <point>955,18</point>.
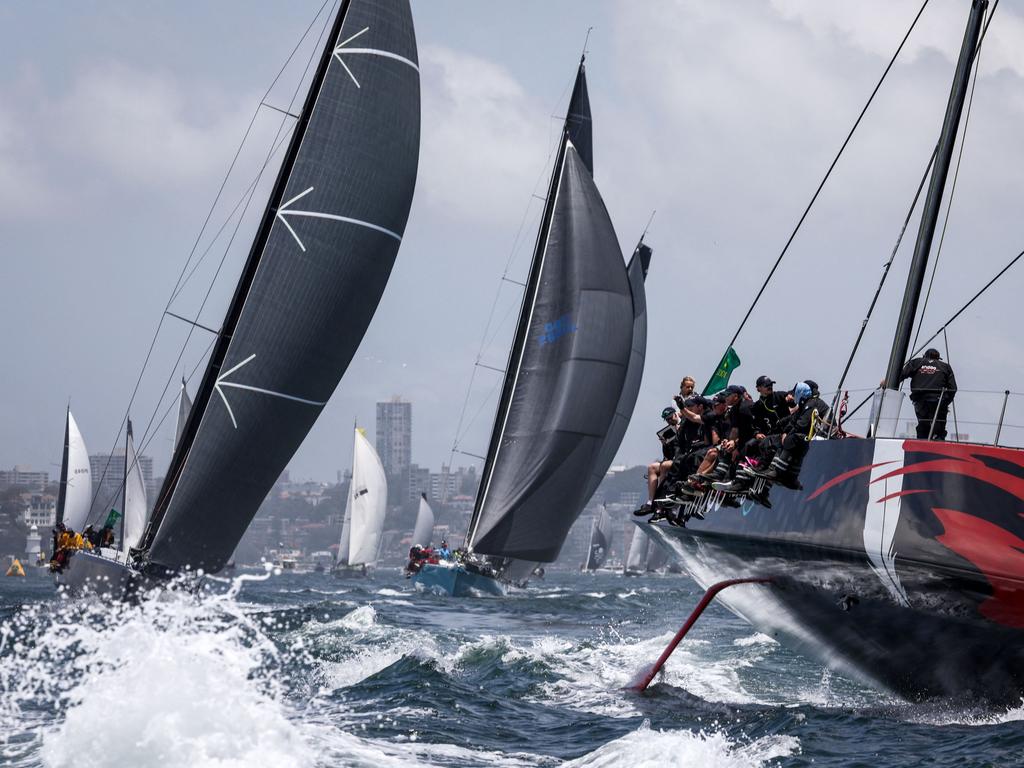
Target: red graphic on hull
<point>995,552</point>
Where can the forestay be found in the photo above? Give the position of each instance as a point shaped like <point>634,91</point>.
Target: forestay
<point>316,272</point>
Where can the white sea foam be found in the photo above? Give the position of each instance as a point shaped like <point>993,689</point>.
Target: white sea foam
<point>758,638</point>
<point>646,748</point>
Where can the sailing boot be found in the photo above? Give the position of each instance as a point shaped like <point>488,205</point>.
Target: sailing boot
<point>738,485</point>
<point>781,471</point>
<point>645,510</point>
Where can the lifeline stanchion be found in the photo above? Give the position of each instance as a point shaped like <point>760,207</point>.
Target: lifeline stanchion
<point>713,590</point>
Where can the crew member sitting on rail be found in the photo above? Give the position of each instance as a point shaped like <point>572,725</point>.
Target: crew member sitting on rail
<point>656,471</point>
<point>799,430</point>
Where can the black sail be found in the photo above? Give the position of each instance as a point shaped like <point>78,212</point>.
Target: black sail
<point>637,272</point>
<point>314,278</point>
<point>578,124</point>
<point>564,380</point>
<point>600,540</point>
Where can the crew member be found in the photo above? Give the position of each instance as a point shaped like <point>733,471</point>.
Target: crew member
<point>656,471</point>
<point>932,389</point>
<point>799,428</point>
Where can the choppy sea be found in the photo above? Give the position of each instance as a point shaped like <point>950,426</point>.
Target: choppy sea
<point>310,670</point>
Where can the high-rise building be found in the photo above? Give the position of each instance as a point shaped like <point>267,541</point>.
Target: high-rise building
<point>394,436</point>
<point>108,477</point>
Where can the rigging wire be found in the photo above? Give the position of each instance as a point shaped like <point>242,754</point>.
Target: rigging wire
<point>828,173</point>
<point>185,266</point>
<point>952,188</point>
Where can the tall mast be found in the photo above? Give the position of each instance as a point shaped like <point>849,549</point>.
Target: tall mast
<point>124,483</point>
<point>206,386</point>
<point>515,355</point>
<point>62,493</point>
<point>950,125</point>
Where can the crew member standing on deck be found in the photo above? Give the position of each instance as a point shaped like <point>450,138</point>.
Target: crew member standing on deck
<point>932,389</point>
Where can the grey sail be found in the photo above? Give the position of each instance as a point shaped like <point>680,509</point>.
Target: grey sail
<point>184,406</point>
<point>578,123</point>
<point>600,540</point>
<point>565,374</point>
<point>313,279</point>
<point>637,271</point>
<point>657,557</point>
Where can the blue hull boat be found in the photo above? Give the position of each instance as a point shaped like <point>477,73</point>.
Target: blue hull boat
<point>456,581</point>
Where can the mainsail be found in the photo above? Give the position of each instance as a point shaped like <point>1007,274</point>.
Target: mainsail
<point>315,273</point>
<point>636,558</point>
<point>135,506</point>
<point>74,498</point>
<point>567,365</point>
<point>424,529</point>
<point>367,502</point>
<point>637,272</point>
<point>600,540</point>
<point>184,407</point>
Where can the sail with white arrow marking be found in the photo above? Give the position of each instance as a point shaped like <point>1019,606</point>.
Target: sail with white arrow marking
<point>368,502</point>
<point>74,498</point>
<point>424,529</point>
<point>314,276</point>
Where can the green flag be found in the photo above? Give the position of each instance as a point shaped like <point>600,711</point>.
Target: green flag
<point>730,362</point>
<point>112,519</point>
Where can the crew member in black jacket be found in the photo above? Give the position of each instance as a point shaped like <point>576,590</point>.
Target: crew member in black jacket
<point>932,389</point>
<point>799,429</point>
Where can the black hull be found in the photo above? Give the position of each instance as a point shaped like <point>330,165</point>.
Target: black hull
<point>900,563</point>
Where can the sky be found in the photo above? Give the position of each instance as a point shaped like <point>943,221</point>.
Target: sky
<point>118,121</point>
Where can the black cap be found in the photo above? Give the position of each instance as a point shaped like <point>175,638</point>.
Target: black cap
<point>932,354</point>
<point>735,389</point>
<point>765,381</point>
<point>693,400</point>
<point>812,384</point>
<point>666,412</point>
<point>718,398</point>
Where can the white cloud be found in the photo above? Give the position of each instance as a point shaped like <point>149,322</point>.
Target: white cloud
<point>484,140</point>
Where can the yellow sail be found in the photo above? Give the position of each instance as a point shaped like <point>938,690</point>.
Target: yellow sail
<point>16,569</point>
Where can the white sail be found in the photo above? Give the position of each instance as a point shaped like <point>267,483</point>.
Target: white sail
<point>368,496</point>
<point>424,529</point>
<point>184,407</point>
<point>135,505</point>
<point>636,560</point>
<point>78,488</point>
<point>346,530</point>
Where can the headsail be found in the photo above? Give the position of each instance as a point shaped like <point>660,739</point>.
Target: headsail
<point>314,276</point>
<point>566,369</point>
<point>637,271</point>
<point>135,506</point>
<point>600,540</point>
<point>74,498</point>
<point>345,545</point>
<point>639,546</point>
<point>184,407</point>
<point>368,496</point>
<point>424,529</point>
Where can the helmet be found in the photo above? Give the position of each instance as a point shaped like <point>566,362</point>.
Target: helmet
<point>801,392</point>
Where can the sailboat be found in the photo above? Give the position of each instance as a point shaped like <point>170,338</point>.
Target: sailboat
<point>423,531</point>
<point>643,556</point>
<point>600,540</point>
<point>568,372</point>
<point>74,497</point>
<point>315,273</point>
<point>365,507</point>
<point>900,561</point>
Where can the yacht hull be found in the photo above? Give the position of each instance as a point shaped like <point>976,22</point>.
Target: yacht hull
<point>901,563</point>
<point>456,581</point>
<point>87,573</point>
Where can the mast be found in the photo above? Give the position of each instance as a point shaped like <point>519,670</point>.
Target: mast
<point>62,492</point>
<point>124,483</point>
<point>515,355</point>
<point>206,387</point>
<point>944,152</point>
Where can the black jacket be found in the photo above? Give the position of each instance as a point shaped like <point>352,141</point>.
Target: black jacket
<point>768,411</point>
<point>800,422</point>
<point>928,378</point>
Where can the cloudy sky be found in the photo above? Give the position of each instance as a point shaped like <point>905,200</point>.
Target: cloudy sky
<point>118,121</point>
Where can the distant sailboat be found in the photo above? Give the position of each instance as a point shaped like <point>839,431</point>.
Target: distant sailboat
<point>74,498</point>
<point>318,265</point>
<point>424,529</point>
<point>600,540</point>
<point>365,507</point>
<point>566,381</point>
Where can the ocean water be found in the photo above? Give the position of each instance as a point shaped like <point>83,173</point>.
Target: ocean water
<point>309,670</point>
